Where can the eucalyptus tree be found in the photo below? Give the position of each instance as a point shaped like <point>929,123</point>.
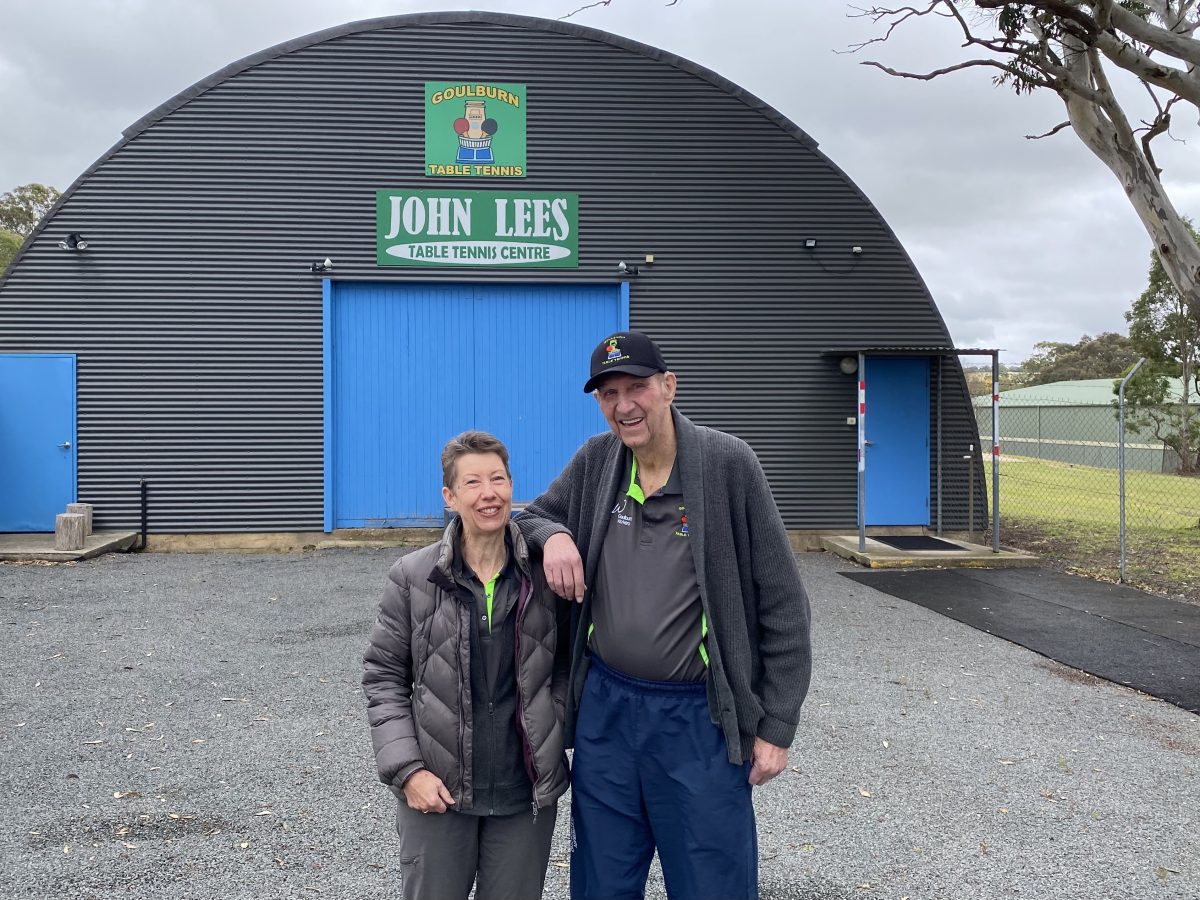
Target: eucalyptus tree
<point>1078,49</point>
<point>1166,331</point>
<point>23,207</point>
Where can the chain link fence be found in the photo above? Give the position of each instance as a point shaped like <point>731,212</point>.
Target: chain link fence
<point>1060,493</point>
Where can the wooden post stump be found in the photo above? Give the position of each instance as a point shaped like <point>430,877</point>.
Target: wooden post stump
<point>68,531</point>
<point>85,509</point>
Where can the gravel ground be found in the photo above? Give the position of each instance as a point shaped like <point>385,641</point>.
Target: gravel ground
<point>191,726</point>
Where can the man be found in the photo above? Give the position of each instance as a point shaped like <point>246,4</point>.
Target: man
<point>691,657</point>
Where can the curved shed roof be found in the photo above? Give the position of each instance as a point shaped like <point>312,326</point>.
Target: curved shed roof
<point>441,18</point>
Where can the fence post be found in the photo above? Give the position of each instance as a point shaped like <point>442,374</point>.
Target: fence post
<point>1121,457</point>
<point>970,491</point>
<point>995,452</point>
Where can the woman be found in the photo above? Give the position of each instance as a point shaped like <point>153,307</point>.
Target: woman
<point>465,675</point>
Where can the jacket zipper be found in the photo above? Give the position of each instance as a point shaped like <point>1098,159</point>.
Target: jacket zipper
<point>463,712</point>
<point>526,746</point>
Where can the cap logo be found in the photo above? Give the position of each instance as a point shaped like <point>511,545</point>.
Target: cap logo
<point>614,353</point>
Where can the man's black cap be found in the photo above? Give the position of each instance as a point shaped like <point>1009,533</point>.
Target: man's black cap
<point>630,352</point>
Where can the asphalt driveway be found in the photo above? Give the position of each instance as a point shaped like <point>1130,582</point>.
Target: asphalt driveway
<point>191,726</point>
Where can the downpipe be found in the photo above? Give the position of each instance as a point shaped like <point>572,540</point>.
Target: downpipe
<point>143,489</point>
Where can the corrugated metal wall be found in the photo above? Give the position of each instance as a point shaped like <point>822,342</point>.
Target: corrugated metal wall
<point>197,322</point>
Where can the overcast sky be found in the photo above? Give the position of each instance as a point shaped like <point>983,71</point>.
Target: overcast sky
<point>1019,241</point>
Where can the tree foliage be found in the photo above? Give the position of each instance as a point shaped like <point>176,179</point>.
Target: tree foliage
<point>23,207</point>
<point>979,379</point>
<point>1071,47</point>
<point>1165,330</point>
<point>10,243</point>
<point>1106,355</point>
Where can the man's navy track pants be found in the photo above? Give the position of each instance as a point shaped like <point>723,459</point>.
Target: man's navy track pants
<point>651,771</point>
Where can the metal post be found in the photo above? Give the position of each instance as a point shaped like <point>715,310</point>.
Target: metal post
<point>862,454</point>
<point>970,491</point>
<point>995,452</point>
<point>1121,454</point>
<point>142,489</point>
<point>939,446</point>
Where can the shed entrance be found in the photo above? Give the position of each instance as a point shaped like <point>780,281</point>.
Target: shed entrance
<point>409,366</point>
<point>897,441</point>
<point>37,439</point>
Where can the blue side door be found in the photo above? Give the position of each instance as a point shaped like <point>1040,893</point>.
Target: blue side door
<point>897,434</point>
<point>37,440</point>
<point>409,366</point>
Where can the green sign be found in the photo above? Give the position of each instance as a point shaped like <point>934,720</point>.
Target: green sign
<point>474,130</point>
<point>477,228</point>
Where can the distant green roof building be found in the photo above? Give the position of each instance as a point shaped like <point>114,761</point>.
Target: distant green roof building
<point>1073,422</point>
<point>1085,392</point>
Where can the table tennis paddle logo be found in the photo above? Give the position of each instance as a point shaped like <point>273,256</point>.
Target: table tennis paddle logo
<point>474,130</point>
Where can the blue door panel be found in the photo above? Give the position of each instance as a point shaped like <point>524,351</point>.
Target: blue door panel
<point>537,342</point>
<point>37,440</point>
<point>397,395</point>
<point>897,433</point>
<point>413,365</point>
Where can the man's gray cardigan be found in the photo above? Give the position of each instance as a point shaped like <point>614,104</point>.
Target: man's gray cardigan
<point>760,660</point>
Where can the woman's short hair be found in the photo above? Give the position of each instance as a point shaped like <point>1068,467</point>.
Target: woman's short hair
<point>470,442</point>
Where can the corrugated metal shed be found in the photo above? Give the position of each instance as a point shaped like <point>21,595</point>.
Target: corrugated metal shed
<point>197,322</point>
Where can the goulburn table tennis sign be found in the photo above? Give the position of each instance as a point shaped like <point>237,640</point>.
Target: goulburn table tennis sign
<point>474,130</point>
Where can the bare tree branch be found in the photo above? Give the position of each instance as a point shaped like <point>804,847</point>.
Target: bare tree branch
<point>1053,131</point>
<point>602,3</point>
<point>937,73</point>
<point>1124,54</point>
<point>1064,9</point>
<point>588,6</point>
<point>1178,44</point>
<point>1160,124</point>
<point>901,15</point>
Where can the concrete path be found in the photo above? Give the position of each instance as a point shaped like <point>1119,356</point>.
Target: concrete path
<point>40,547</point>
<point>191,726</point>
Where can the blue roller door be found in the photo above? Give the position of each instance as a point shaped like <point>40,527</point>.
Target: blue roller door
<point>410,365</point>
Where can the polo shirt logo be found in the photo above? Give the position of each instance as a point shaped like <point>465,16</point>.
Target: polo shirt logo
<point>682,530</point>
<point>623,518</point>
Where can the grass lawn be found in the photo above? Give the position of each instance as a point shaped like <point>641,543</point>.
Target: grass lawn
<point>1071,515</point>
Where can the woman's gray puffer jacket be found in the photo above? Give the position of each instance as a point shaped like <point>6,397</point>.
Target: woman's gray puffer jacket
<point>417,676</point>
